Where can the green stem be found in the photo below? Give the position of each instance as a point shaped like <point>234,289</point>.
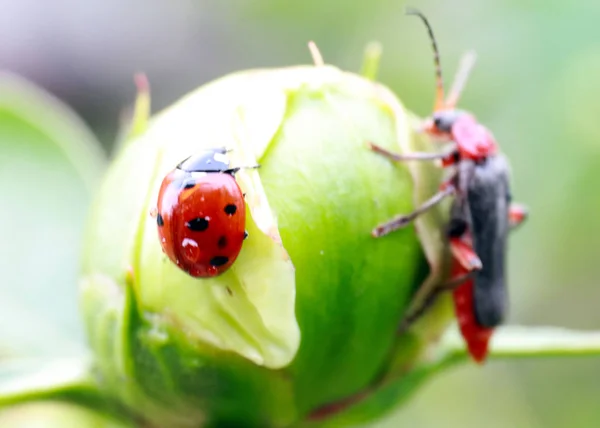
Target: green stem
<point>524,342</point>
<point>507,342</point>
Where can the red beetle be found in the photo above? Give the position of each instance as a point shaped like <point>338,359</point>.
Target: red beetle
<point>480,299</point>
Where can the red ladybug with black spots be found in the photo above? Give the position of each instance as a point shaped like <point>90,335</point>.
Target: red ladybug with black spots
<point>201,214</point>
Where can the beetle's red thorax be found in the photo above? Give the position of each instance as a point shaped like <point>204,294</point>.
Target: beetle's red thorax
<point>474,141</point>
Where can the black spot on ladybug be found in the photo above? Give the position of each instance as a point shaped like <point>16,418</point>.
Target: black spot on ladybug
<point>198,224</point>
<point>230,209</point>
<point>159,220</point>
<point>219,261</point>
<point>222,243</point>
<point>245,234</point>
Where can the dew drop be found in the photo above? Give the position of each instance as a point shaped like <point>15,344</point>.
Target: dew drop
<point>190,248</point>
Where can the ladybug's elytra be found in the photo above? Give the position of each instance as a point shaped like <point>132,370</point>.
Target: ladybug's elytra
<point>201,214</point>
<point>482,214</point>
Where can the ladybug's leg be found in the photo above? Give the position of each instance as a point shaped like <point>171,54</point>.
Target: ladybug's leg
<point>232,171</point>
<point>517,214</point>
<point>422,156</point>
<point>404,220</point>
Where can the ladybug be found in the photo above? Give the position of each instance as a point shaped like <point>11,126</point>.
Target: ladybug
<point>201,214</point>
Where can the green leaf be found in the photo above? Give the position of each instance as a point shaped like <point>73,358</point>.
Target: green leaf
<point>49,165</point>
<point>34,378</point>
<point>26,382</point>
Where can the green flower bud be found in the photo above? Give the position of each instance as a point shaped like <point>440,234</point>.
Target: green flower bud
<point>56,414</point>
<point>308,314</point>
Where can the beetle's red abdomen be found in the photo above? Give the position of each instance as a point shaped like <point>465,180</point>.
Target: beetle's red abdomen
<point>476,337</point>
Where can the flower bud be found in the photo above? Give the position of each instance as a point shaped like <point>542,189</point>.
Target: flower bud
<point>56,414</point>
<point>308,314</point>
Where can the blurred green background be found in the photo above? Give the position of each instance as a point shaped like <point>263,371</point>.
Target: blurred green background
<point>535,85</point>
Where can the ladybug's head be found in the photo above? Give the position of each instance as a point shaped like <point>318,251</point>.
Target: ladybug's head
<point>210,160</point>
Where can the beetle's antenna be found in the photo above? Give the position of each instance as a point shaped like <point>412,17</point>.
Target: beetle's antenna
<point>462,75</point>
<point>316,54</point>
<point>439,96</point>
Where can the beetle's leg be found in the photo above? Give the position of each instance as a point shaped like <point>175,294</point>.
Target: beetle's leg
<point>451,285</point>
<point>404,220</point>
<point>464,253</point>
<point>416,314</point>
<point>517,214</point>
<point>420,156</point>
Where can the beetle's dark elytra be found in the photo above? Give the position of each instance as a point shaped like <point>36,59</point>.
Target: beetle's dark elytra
<point>485,209</point>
